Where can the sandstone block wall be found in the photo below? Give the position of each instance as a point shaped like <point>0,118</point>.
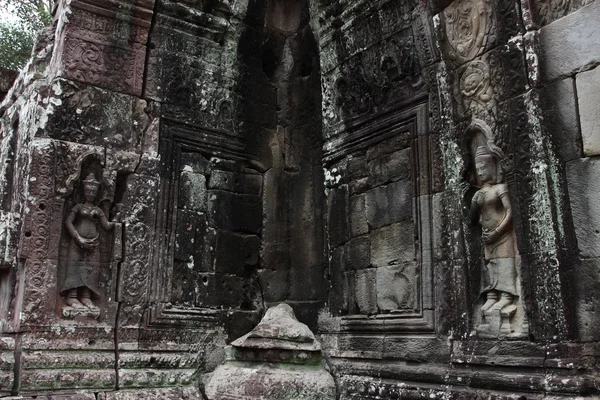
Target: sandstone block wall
<point>416,179</point>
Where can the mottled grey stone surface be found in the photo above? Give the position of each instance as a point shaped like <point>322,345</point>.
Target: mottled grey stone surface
<point>192,191</point>
<point>392,244</point>
<point>358,216</point>
<point>571,44</point>
<point>560,116</point>
<point>588,96</point>
<point>584,188</point>
<point>366,290</point>
<point>588,297</point>
<point>389,204</point>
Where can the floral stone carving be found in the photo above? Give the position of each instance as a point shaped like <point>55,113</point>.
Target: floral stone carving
<point>468,24</point>
<point>279,359</point>
<point>83,262</point>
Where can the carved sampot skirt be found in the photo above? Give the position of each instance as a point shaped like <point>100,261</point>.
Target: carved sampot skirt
<point>82,269</point>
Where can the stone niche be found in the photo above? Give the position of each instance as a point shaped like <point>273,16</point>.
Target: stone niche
<point>380,225</point>
<point>499,310</point>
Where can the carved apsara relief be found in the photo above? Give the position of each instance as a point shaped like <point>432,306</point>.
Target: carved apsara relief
<point>87,245</point>
<point>82,277</point>
<point>491,212</point>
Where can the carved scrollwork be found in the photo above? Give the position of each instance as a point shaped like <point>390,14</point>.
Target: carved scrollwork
<point>475,86</point>
<point>137,208</point>
<point>104,64</point>
<point>468,27</point>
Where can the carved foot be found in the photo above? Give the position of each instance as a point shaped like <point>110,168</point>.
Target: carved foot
<point>508,311</point>
<point>87,302</point>
<point>505,300</point>
<point>74,303</point>
<point>492,299</point>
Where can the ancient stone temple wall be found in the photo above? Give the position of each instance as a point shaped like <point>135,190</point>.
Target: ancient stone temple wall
<point>416,179</point>
<point>453,139</point>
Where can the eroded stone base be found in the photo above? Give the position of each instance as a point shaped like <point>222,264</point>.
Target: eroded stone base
<point>187,393</point>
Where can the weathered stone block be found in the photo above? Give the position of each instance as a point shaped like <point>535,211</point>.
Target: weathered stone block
<point>337,282</point>
<point>275,284</point>
<point>356,167</point>
<point>236,182</point>
<point>588,96</point>
<point>366,290</point>
<point>224,180</point>
<point>275,196</point>
<point>358,186</point>
<point>358,216</point>
<point>307,283</point>
<point>392,245</point>
<point>252,183</point>
<point>388,204</point>
<point>583,177</point>
<point>185,282</point>
<point>226,291</point>
<point>94,116</point>
<point>195,162</point>
<point>586,284</point>
<point>189,393</point>
<point>338,216</point>
<point>190,227</point>
<point>389,167</point>
<point>570,44</point>
<point>235,251</point>
<point>235,212</point>
<point>192,191</point>
<point>542,12</point>
<point>560,115</point>
<point>357,253</point>
<point>275,251</point>
<point>395,288</point>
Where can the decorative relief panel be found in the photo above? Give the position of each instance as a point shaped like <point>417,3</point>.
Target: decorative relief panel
<point>105,64</point>
<point>106,48</point>
<point>39,240</point>
<point>468,29</point>
<point>138,210</point>
<point>376,77</point>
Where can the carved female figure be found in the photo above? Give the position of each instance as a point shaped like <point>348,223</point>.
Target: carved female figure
<point>83,257</point>
<point>491,209</point>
